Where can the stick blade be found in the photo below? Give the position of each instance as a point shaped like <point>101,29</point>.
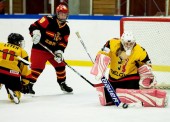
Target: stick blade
<point>78,35</point>
<point>98,85</point>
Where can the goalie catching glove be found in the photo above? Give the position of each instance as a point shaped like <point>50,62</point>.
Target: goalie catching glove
<point>36,36</point>
<point>147,79</point>
<point>58,56</point>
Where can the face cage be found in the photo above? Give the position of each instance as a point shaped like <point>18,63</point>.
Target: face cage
<point>126,47</point>
<point>62,20</point>
<point>22,43</point>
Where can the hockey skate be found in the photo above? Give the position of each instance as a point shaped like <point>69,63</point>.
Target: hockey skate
<point>14,96</point>
<point>31,91</point>
<point>65,88</point>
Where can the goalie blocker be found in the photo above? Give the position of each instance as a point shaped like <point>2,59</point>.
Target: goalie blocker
<point>100,66</point>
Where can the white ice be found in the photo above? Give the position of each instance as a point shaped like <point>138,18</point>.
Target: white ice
<point>50,104</point>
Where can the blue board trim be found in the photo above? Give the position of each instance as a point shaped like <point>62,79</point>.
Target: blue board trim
<point>76,17</point>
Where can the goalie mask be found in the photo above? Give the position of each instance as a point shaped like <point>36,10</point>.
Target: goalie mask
<point>62,12</point>
<point>16,39</point>
<point>128,41</point>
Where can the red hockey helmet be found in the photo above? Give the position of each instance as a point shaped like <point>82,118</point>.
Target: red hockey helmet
<point>62,9</point>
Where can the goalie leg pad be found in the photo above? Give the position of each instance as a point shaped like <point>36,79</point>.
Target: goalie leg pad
<point>104,99</point>
<point>100,66</point>
<point>149,97</point>
<point>101,94</point>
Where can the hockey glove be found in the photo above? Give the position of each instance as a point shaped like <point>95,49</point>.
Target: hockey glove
<point>58,56</point>
<point>36,36</point>
<point>27,88</point>
<point>24,88</point>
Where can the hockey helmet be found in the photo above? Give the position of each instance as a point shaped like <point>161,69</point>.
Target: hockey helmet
<point>16,39</point>
<point>62,12</point>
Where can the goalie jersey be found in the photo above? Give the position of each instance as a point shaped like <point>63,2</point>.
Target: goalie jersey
<point>122,66</point>
<point>10,64</point>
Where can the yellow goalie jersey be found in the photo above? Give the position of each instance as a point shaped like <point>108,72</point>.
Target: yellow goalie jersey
<point>10,64</point>
<point>121,65</point>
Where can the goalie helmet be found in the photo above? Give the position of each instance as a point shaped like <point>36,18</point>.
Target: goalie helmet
<point>16,39</point>
<point>128,41</point>
<point>62,12</point>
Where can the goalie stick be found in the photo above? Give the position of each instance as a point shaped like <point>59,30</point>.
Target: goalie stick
<point>18,57</point>
<point>121,105</point>
<point>1,86</point>
<point>163,85</point>
<point>94,85</point>
<point>104,80</point>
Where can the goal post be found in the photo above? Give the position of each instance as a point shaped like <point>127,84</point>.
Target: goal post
<point>153,34</point>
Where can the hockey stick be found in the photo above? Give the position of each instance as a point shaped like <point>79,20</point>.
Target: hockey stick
<point>122,105</point>
<point>1,86</point>
<point>94,85</point>
<point>104,80</point>
<point>18,57</point>
<point>79,37</point>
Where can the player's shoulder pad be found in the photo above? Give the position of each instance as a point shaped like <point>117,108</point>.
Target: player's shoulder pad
<point>116,39</point>
<point>139,47</point>
<point>49,16</point>
<point>44,21</point>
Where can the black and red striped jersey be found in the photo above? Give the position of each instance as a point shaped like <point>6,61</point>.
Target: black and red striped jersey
<point>53,34</point>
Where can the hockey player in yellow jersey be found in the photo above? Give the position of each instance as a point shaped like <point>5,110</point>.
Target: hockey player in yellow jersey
<point>130,68</point>
<point>14,72</point>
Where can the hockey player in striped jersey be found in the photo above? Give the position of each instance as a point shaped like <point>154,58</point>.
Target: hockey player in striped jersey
<point>14,73</point>
<point>53,32</point>
<point>130,71</point>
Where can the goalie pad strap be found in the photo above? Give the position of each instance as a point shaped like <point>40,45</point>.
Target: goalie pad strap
<point>100,66</point>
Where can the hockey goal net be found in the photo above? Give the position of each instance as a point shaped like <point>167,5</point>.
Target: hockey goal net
<point>154,35</point>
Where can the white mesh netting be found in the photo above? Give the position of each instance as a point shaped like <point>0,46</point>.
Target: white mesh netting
<point>154,35</point>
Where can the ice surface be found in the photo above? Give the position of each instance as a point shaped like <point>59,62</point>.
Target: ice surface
<point>50,104</point>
